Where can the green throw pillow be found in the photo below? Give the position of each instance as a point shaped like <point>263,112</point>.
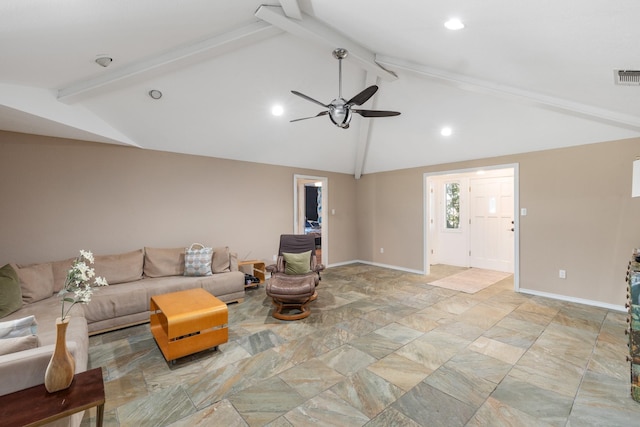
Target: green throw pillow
<point>297,263</point>
<point>10,293</point>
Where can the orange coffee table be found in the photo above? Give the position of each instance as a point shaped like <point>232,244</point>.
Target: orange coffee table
<point>187,322</point>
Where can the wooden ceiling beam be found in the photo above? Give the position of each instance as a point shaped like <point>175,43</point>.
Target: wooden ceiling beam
<point>291,9</point>
<point>565,106</point>
<point>313,30</point>
<point>364,131</point>
<point>175,59</point>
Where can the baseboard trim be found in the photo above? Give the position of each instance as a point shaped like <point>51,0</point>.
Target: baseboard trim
<point>377,264</point>
<point>574,299</point>
<point>593,303</point>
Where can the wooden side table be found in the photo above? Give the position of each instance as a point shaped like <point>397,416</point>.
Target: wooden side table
<point>186,322</point>
<point>259,270</point>
<point>35,406</point>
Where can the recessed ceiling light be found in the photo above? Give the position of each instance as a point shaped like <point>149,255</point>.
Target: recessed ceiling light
<point>446,131</point>
<point>454,24</point>
<point>277,110</point>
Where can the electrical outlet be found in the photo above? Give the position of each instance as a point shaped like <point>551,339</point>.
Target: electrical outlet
<point>562,274</point>
<point>275,257</point>
<point>381,250</point>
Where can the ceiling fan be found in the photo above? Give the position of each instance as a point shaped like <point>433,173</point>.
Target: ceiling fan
<point>341,111</point>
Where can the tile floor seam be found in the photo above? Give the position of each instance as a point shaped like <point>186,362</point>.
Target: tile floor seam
<point>367,289</point>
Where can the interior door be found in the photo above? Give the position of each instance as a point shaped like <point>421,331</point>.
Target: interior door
<point>320,226</point>
<point>491,234</point>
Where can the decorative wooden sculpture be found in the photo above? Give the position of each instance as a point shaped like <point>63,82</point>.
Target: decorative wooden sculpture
<point>633,329</point>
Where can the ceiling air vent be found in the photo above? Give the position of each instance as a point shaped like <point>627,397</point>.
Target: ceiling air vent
<point>627,77</point>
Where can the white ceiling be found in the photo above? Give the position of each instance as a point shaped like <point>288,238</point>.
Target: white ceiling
<point>521,76</point>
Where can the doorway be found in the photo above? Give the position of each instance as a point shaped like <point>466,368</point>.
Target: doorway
<point>310,198</point>
<point>470,219</point>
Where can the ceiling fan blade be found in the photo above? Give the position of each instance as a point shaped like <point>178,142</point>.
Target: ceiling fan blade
<point>376,113</point>
<point>308,98</point>
<point>323,113</point>
<point>363,96</point>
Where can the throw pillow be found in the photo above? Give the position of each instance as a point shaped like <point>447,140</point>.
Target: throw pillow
<point>18,327</point>
<point>297,263</point>
<point>221,260</point>
<point>161,262</point>
<point>14,345</point>
<point>36,282</point>
<point>120,268</point>
<point>197,261</point>
<point>10,293</point>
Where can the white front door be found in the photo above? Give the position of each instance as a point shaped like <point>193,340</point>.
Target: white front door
<point>451,237</point>
<point>491,232</point>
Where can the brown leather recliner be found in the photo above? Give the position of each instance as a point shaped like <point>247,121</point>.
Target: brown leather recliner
<point>291,293</point>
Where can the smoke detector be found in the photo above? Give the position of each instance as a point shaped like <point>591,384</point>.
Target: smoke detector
<point>104,61</point>
<point>627,77</point>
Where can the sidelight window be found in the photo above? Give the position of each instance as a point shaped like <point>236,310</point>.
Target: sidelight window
<point>452,205</point>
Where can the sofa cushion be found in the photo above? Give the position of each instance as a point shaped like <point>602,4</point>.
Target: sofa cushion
<point>14,345</point>
<point>165,285</point>
<point>161,262</point>
<point>18,327</point>
<point>297,263</point>
<point>233,261</point>
<point>60,272</point>
<point>117,301</point>
<point>223,284</point>
<point>120,268</point>
<point>36,282</point>
<point>221,260</point>
<point>10,293</point>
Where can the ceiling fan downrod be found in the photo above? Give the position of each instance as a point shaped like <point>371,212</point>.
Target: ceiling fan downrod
<point>340,54</point>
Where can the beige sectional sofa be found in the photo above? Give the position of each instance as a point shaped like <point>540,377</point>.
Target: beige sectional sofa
<point>133,277</point>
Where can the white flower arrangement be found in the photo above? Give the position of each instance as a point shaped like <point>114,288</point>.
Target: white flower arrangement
<point>79,282</point>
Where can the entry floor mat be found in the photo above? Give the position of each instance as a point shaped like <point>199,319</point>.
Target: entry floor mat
<point>472,280</point>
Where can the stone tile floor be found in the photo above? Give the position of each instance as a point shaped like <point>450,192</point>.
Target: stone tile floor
<point>382,348</point>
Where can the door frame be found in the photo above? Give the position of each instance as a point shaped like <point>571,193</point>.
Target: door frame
<point>300,198</point>
<point>427,209</point>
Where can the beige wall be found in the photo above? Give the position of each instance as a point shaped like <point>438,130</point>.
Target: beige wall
<point>60,196</point>
<point>390,216</point>
<point>581,218</point>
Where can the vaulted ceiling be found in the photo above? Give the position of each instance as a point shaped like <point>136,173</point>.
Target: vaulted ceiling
<point>520,77</point>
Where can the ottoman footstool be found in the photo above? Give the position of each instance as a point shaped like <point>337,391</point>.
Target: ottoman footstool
<point>291,296</point>
<point>187,322</point>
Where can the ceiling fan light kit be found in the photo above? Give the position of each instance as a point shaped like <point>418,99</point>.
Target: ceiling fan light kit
<point>339,110</point>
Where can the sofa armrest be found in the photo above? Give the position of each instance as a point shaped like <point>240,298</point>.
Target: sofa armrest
<point>25,369</point>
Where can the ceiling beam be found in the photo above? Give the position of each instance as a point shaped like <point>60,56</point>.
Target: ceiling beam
<point>311,29</point>
<point>172,60</point>
<point>536,99</point>
<point>364,131</point>
<point>291,9</point>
